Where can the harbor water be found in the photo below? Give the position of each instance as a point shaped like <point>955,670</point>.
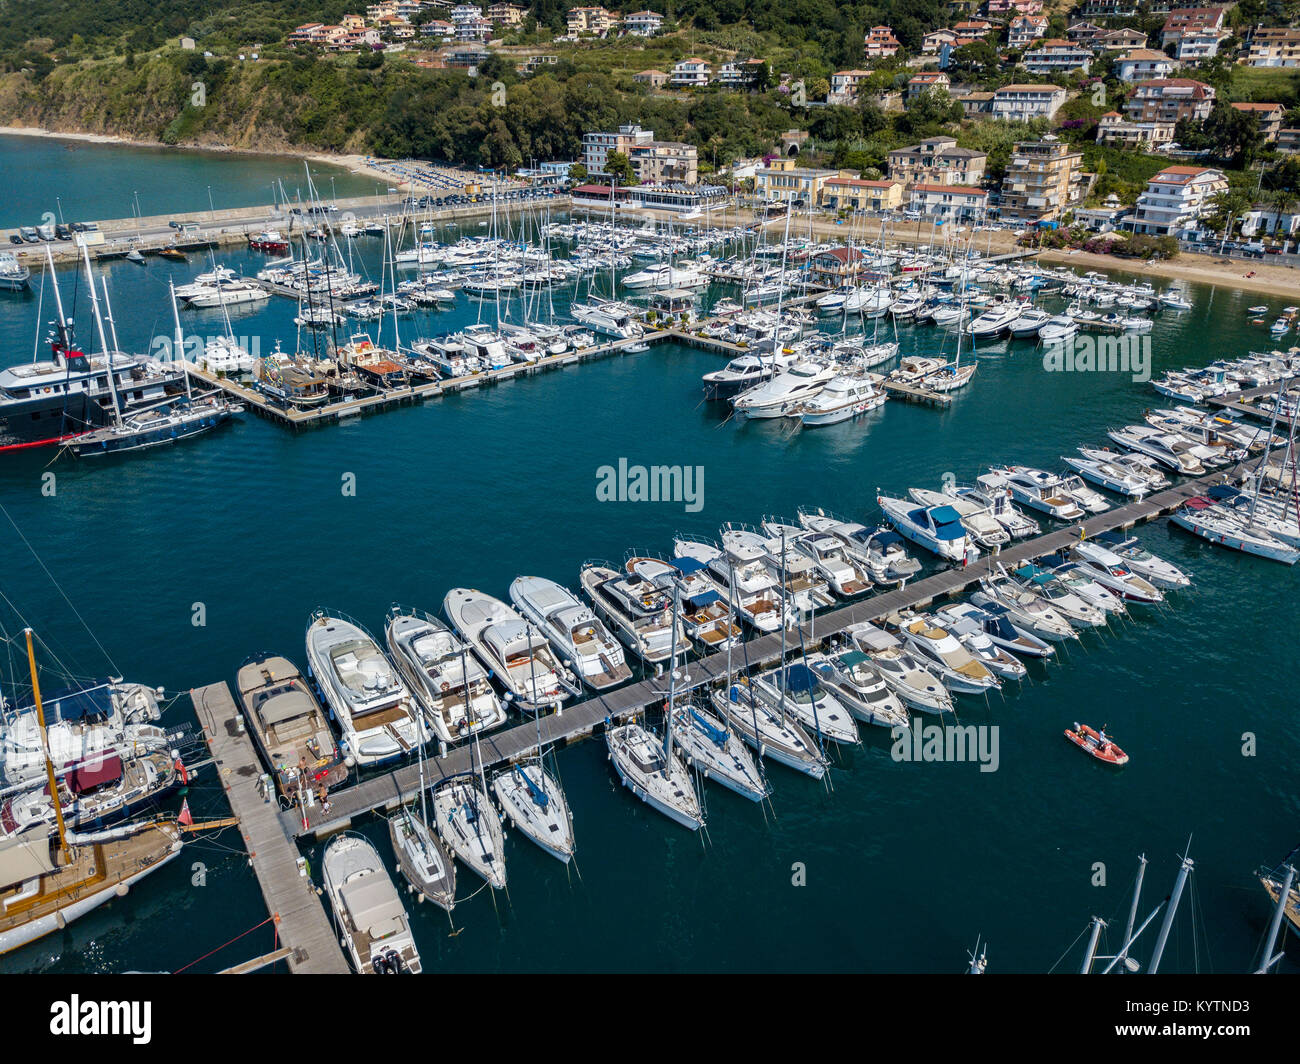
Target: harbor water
<point>185,560</point>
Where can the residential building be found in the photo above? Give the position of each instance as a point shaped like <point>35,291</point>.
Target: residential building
<point>664,162</point>
<point>1020,103</point>
<point>1118,40</point>
<point>1269,221</point>
<point>308,33</point>
<point>1270,117</point>
<point>937,161</point>
<point>1057,56</point>
<point>949,203</point>
<point>438,28</point>
<point>473,29</point>
<point>1273,47</point>
<point>1113,129</point>
<point>597,146</point>
<point>1192,48</point>
<point>858,194</point>
<point>781,181</point>
<point>656,79</point>
<point>1091,9</point>
<point>1184,21</point>
<point>924,82</point>
<point>534,63</point>
<point>506,15</point>
<point>1043,179</point>
<point>1010,8</point>
<point>690,73</point>
<point>589,21</point>
<point>462,12</point>
<point>976,104</point>
<point>834,266</point>
<point>743,75</point>
<point>933,43</point>
<point>1288,140</point>
<point>880,43</point>
<point>1176,200</point>
<point>643,23</point>
<point>844,85</point>
<point>1144,64</point>
<point>1083,32</point>
<point>1170,99</point>
<point>1023,30</point>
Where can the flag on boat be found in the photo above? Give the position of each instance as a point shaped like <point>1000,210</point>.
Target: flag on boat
<point>180,767</point>
<point>185,817</point>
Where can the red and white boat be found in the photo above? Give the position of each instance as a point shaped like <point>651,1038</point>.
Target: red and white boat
<point>269,240</point>
<point>1096,743</point>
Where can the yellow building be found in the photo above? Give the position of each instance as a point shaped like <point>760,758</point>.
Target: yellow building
<point>858,194</point>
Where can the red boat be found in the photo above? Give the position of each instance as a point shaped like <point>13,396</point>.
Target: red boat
<point>269,240</point>
<point>1096,743</point>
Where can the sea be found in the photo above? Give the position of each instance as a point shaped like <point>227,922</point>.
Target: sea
<point>173,566</point>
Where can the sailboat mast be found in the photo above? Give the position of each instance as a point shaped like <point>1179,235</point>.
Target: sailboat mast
<point>1170,913</point>
<point>45,746</point>
<point>672,690</point>
<point>103,340</point>
<point>179,343</point>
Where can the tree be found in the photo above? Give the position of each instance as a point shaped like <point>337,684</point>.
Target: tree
<point>577,173</point>
<point>620,166</point>
<point>1226,208</point>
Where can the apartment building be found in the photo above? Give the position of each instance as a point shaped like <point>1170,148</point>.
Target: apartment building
<point>589,21</point>
<point>1114,129</point>
<point>1269,116</point>
<point>1169,100</point>
<point>1001,9</point>
<point>1043,179</point>
<point>1020,103</point>
<point>1144,64</point>
<point>1273,47</point>
<point>858,194</point>
<point>949,203</point>
<point>1176,201</point>
<point>506,15</point>
<point>1056,56</point>
<point>690,73</point>
<point>597,146</point>
<point>665,162</point>
<point>924,82</point>
<point>643,23</point>
<point>937,161</point>
<point>844,85</point>
<point>781,181</point>
<point>1023,30</point>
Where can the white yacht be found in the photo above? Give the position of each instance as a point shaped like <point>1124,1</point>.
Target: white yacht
<point>470,826</point>
<point>373,923</point>
<point>535,803</point>
<point>936,528</point>
<point>1028,322</point>
<point>364,692</point>
<point>446,676</point>
<point>993,493</point>
<point>1037,489</point>
<point>976,641</point>
<point>576,632</point>
<point>746,579</point>
<point>879,551</point>
<point>1172,451</point>
<point>1109,475</point>
<point>1074,488</point>
<point>995,320</point>
<point>607,318</point>
<point>511,649</point>
<point>665,276</point>
<point>1025,608</point>
<point>227,294</point>
<point>779,396</point>
<point>1053,589</point>
<point>859,686</point>
<point>1132,577</point>
<point>845,574</point>
<point>959,671</point>
<point>910,679</point>
<point>764,728</point>
<point>844,397</point>
<point>742,372</point>
<point>797,691</point>
<point>638,609</point>
<point>717,753</point>
<point>983,527</point>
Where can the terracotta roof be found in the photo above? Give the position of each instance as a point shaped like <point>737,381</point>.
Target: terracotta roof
<point>957,190</point>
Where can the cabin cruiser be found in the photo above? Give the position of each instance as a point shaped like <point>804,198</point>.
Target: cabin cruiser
<point>702,608</point>
<point>744,574</point>
<point>227,294</point>
<point>830,555</point>
<point>639,610</point>
<point>1074,488</point>
<point>289,727</point>
<point>1172,451</point>
<point>372,922</point>
<point>1109,475</point>
<point>779,396</point>
<point>985,529</point>
<point>608,318</point>
<point>1082,580</point>
<point>512,650</point>
<point>1060,596</point>
<point>742,372</point>
<point>995,320</point>
<point>665,276</point>
<point>486,344</point>
<point>940,649</point>
<point>879,551</point>
<point>796,690</point>
<point>1113,572</point>
<point>1037,489</point>
<point>364,693</point>
<point>573,630</point>
<point>447,678</point>
<point>859,686</point>
<point>1028,322</point>
<point>936,528</point>
<point>909,678</point>
<point>1142,468</point>
<point>994,621</point>
<point>769,731</point>
<point>1155,569</point>
<point>915,370</point>
<point>992,492</point>
<point>844,397</point>
<point>1026,609</point>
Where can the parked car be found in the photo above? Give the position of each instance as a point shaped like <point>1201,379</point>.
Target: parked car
<point>62,232</point>
<point>30,234</point>
<point>14,238</point>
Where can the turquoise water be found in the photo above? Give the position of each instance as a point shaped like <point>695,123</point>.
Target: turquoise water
<point>79,181</point>
<point>905,863</point>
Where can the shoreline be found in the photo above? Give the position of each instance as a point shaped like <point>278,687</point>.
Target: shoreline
<point>355,164</point>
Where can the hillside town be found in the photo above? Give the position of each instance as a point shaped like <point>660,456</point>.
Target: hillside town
<point>1048,74</point>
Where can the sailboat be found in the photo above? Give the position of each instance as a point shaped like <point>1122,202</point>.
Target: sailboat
<point>421,858</point>
<point>48,880</point>
<point>470,825</point>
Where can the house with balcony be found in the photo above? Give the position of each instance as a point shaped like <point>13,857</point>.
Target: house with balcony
<point>690,73</point>
<point>506,16</point>
<point>880,43</point>
<point>1016,103</point>
<point>937,161</point>
<point>643,23</point>
<point>844,85</point>
<point>1169,100</point>
<point>664,162</point>
<point>1057,56</point>
<point>781,181</point>
<point>309,33</point>
<point>1023,30</point>
<point>1106,9</point>
<point>925,81</point>
<point>949,203</point>
<point>1008,9</point>
<point>859,194</point>
<point>741,76</point>
<point>1277,46</point>
<point>1043,179</point>
<point>1121,40</point>
<point>589,21</point>
<point>596,146</point>
<point>1268,115</point>
<point>1115,130</point>
<point>438,28</point>
<point>1176,201</point>
<point>933,43</point>
<point>1194,32</point>
<point>1144,64</point>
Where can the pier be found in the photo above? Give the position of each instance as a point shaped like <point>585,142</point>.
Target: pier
<point>303,928</point>
<point>387,791</point>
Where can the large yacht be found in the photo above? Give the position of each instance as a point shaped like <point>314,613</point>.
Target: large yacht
<point>573,629</point>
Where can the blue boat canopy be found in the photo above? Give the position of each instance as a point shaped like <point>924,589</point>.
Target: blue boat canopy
<point>74,703</point>
<point>944,515</point>
<point>1034,573</point>
<point>704,598</point>
<point>800,678</point>
<point>688,565</point>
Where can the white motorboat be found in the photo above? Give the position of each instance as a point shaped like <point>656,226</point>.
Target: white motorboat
<point>1140,467</point>
<point>843,398</point>
<point>910,678</point>
<point>936,528</point>
<point>993,493</point>
<point>1026,608</point>
<point>576,632</point>
<point>879,551</point>
<point>982,526</point>
<point>1059,595</point>
<point>470,826</point>
<point>743,372</point>
<point>859,686</point>
<point>995,320</point>
<point>995,622</point>
<point>1111,570</point>
<point>1028,322</point>
<point>535,803</point>
<point>1036,488</point>
<point>831,557</point>
<point>797,691</point>
<point>779,396</point>
<point>1174,452</point>
<point>746,580</point>
<point>655,773</point>
<point>447,678</point>
<point>978,643</point>
<point>1081,579</point>
<point>1155,569</point>
<point>636,608</point>
<point>1074,488</point>
<point>227,294</point>
<point>1109,475</point>
<point>372,921</point>
<point>945,655</point>
<point>513,650</point>
<point>608,318</point>
<point>363,691</point>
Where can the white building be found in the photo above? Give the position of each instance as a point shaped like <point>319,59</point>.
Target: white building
<point>643,23</point>
<point>949,203</point>
<point>690,73</point>
<point>1057,57</point>
<point>597,146</point>
<point>1020,103</point>
<point>1143,64</point>
<point>1176,201</point>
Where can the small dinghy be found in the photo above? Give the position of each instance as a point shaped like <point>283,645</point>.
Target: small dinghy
<point>1096,743</point>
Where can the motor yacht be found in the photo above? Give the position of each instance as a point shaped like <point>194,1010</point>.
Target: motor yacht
<point>577,633</point>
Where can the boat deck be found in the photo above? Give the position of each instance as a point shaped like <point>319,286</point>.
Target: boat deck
<point>300,917</point>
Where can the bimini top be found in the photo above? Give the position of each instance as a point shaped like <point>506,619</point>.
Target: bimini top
<point>947,522</point>
<point>688,565</point>
<point>1034,573</point>
<point>800,678</point>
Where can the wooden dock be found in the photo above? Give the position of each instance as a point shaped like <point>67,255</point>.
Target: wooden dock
<point>575,722</point>
<point>302,924</point>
